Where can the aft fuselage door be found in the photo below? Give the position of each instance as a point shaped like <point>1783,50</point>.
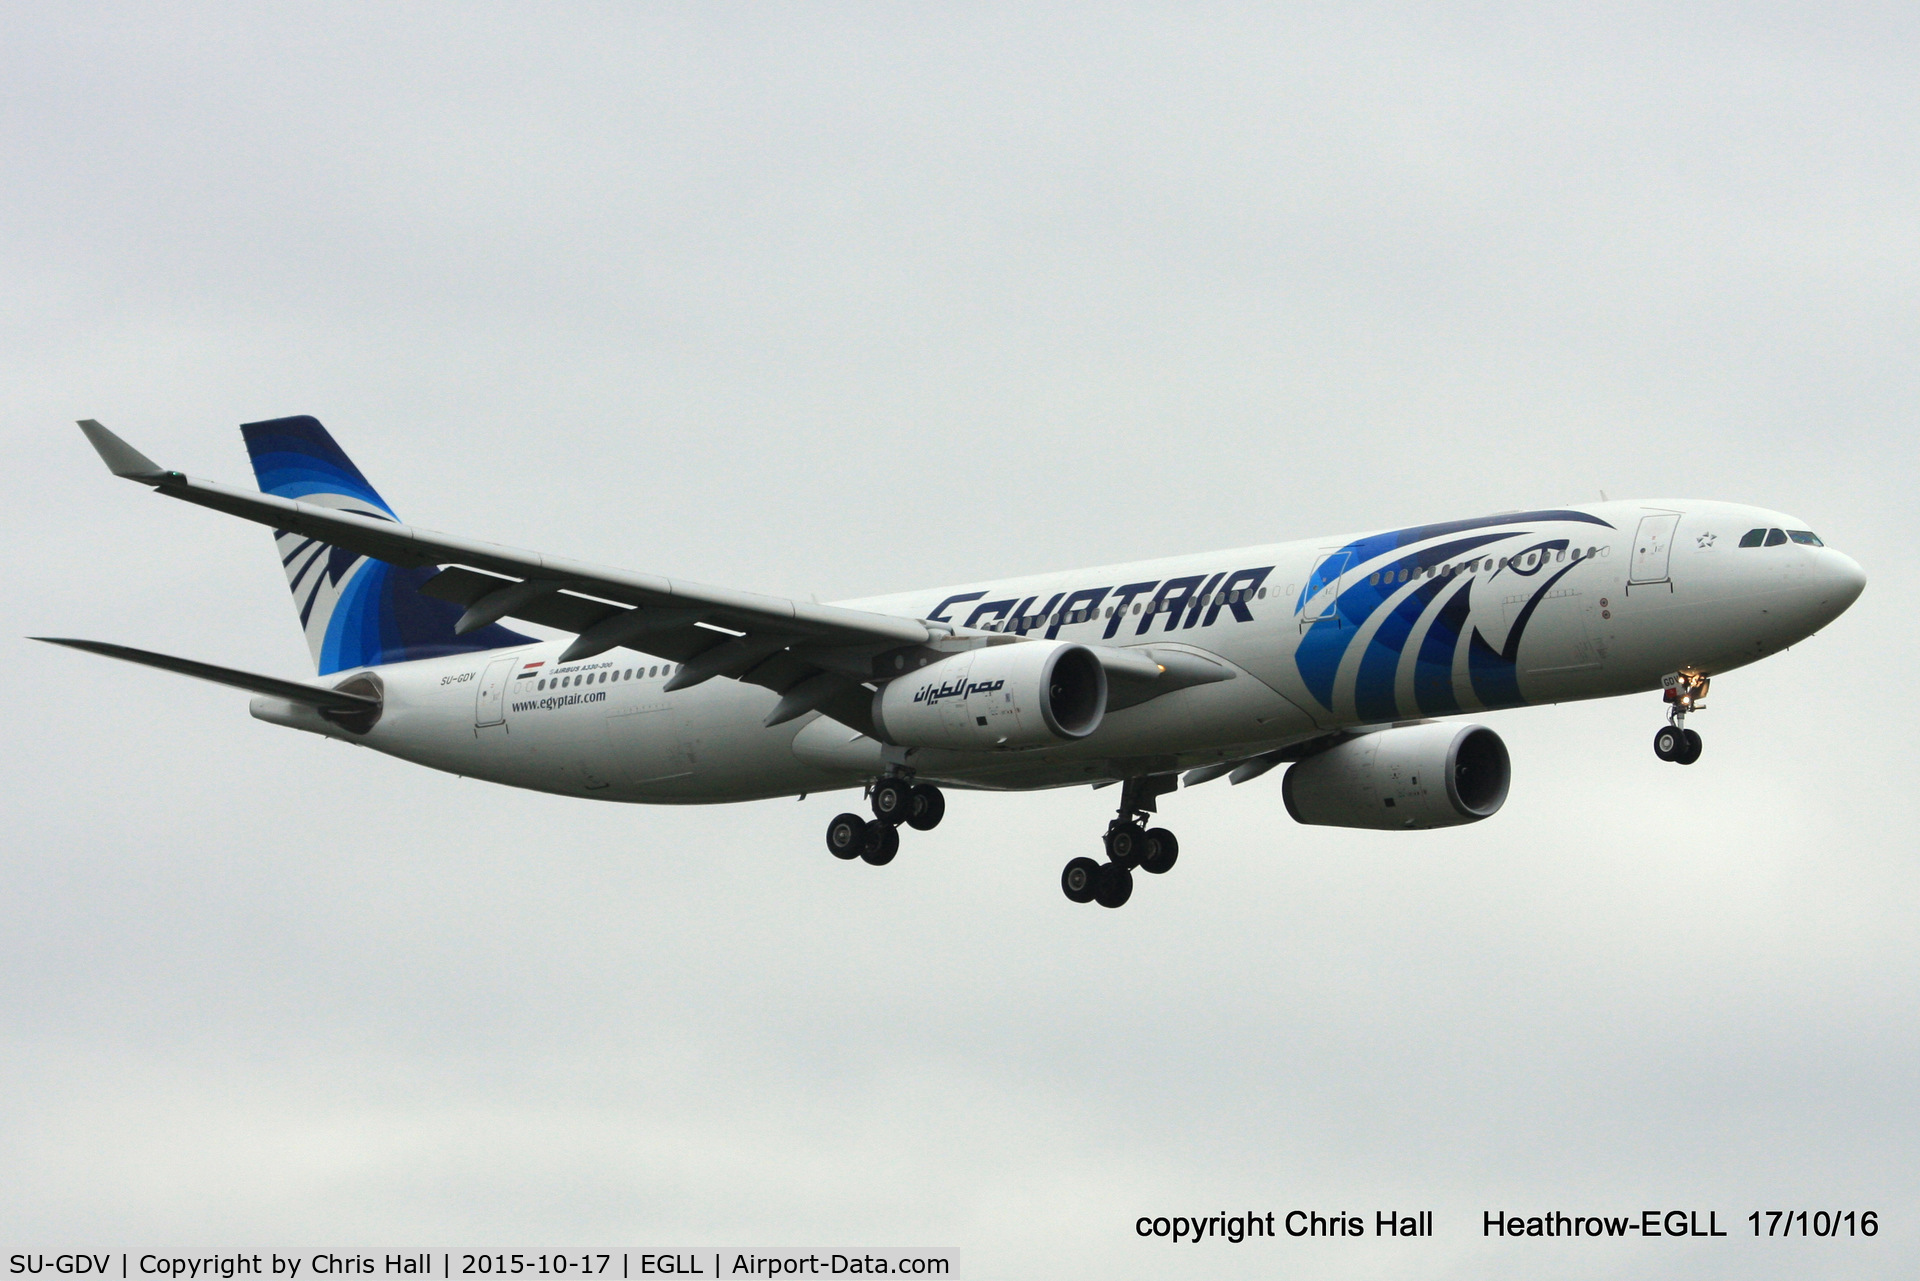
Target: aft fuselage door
<point>1652,548</point>
<point>490,702</point>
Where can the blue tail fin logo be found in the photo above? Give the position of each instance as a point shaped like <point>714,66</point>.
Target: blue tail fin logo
<point>356,611</point>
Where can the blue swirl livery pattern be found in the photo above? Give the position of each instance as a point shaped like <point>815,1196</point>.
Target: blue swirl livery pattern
<point>356,611</point>
<point>1375,596</point>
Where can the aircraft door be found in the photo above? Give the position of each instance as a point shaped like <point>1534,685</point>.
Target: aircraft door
<point>1652,548</point>
<point>490,702</point>
<point>650,740</point>
<point>1324,586</point>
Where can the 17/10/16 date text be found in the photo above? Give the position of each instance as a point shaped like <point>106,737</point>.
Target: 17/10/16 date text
<point>1815,1223</point>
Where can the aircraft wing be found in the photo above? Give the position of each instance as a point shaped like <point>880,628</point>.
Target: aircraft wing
<point>711,631</point>
<point>406,545</point>
<point>816,657</point>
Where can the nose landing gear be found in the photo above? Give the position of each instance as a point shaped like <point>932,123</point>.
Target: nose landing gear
<point>1130,843</point>
<point>1686,692</point>
<point>920,806</point>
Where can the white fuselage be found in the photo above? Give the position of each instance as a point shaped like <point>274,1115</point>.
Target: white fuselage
<point>1322,634</point>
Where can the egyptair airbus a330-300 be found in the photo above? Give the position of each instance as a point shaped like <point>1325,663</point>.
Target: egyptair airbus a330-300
<point>1339,657</point>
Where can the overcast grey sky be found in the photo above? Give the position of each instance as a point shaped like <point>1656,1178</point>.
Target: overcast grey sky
<point>846,299</point>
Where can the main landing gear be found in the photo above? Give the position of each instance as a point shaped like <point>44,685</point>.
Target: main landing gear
<point>1130,843</point>
<point>920,806</point>
<point>1686,692</point>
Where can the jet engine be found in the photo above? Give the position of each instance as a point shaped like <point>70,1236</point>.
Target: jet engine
<point>1027,694</point>
<point>1412,776</point>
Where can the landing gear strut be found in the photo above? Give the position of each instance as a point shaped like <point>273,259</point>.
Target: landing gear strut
<point>1686,692</point>
<point>920,806</point>
<point>1130,843</point>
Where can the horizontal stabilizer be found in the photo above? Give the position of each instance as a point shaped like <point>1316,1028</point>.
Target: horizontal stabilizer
<point>293,691</point>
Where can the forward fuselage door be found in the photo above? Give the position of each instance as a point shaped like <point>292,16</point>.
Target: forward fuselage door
<point>490,701</point>
<point>1653,548</point>
<point>1324,586</point>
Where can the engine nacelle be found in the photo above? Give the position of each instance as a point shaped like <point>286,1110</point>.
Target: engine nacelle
<point>1029,694</point>
<point>1414,776</point>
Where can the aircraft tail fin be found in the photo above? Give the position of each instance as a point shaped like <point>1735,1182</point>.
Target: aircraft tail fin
<point>356,611</point>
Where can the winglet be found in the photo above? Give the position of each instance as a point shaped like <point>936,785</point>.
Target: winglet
<point>121,458</point>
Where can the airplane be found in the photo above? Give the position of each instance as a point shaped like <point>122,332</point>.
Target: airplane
<point>1347,659</point>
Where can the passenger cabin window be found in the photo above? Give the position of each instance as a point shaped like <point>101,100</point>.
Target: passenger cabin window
<point>1775,537</point>
<point>1805,537</point>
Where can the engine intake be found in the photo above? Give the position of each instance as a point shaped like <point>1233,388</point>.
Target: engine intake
<point>1027,694</point>
<point>1414,776</point>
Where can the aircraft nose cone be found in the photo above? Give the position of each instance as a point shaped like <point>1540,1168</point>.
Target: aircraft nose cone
<point>1848,578</point>
<point>1841,581</point>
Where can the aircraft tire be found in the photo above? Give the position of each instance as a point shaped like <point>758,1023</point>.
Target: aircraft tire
<point>892,800</point>
<point>1125,844</point>
<point>1078,879</point>
<point>845,835</point>
<point>1162,850</point>
<point>1114,886</point>
<point>881,844</point>
<point>1689,748</point>
<point>1668,743</point>
<point>926,806</point>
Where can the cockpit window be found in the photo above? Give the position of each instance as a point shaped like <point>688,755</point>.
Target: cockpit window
<point>1805,537</point>
<point>1753,538</point>
<point>1775,537</point>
